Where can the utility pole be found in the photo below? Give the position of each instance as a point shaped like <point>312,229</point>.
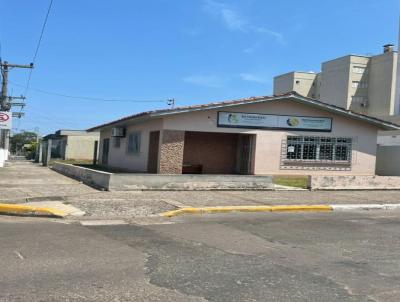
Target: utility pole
<point>6,101</point>
<point>171,102</point>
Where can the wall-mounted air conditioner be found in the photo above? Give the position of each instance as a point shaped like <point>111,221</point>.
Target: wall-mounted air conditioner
<point>118,132</point>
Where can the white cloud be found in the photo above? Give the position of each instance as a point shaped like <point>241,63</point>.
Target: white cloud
<point>232,20</point>
<point>211,81</point>
<point>236,22</point>
<point>250,77</point>
<point>278,36</point>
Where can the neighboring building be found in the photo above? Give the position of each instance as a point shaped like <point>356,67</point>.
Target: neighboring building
<point>72,144</point>
<point>364,84</point>
<point>286,134</point>
<point>388,155</point>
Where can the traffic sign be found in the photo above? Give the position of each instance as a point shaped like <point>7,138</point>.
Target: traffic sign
<point>5,120</point>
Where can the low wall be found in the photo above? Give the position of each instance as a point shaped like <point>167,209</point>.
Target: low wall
<point>93,178</point>
<point>135,182</point>
<point>354,182</point>
<point>130,181</point>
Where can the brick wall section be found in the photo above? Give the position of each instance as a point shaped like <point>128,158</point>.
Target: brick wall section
<point>171,152</point>
<point>215,152</point>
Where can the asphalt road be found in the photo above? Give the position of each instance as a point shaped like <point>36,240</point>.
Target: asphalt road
<point>343,256</point>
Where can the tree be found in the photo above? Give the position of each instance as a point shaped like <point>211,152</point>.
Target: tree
<point>17,141</point>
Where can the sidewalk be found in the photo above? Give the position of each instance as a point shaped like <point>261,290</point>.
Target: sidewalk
<point>22,180</point>
<point>25,181</point>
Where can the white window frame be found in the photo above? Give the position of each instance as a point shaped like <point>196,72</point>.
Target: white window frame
<point>359,69</point>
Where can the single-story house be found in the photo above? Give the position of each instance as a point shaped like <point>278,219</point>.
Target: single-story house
<point>281,134</point>
<point>72,144</point>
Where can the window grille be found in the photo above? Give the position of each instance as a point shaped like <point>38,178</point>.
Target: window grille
<point>308,150</point>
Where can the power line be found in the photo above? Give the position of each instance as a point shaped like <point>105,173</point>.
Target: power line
<point>75,97</point>
<point>36,53</point>
<point>38,45</point>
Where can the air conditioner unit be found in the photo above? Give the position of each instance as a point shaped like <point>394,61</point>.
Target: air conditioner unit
<point>118,132</point>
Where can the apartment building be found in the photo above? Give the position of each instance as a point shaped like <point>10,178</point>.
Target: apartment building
<point>363,84</point>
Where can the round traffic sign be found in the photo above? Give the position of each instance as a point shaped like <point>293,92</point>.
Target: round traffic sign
<point>4,117</point>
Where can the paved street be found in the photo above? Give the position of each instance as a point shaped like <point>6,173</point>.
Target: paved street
<point>343,256</point>
<point>336,256</point>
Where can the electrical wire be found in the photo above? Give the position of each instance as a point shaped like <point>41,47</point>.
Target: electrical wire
<point>74,97</point>
<point>36,54</point>
<point>38,45</point>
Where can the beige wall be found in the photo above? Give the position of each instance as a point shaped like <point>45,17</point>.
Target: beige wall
<point>80,147</point>
<point>382,83</point>
<point>284,83</point>
<point>335,82</point>
<point>268,145</point>
<point>119,158</point>
<point>304,83</point>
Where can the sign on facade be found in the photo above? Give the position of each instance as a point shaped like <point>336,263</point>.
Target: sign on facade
<point>5,120</point>
<point>269,121</point>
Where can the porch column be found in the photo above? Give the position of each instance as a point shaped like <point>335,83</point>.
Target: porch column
<point>171,152</point>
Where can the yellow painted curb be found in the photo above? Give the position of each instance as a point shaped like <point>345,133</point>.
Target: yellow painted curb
<point>21,209</point>
<point>227,209</point>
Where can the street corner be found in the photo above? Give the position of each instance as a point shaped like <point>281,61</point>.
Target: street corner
<point>54,209</point>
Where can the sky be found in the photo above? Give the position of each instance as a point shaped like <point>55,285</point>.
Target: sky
<point>194,51</point>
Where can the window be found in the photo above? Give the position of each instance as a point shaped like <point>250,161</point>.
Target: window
<point>326,148</point>
<point>359,69</point>
<point>318,149</point>
<point>297,82</point>
<point>133,144</point>
<point>116,142</point>
<point>361,100</point>
<point>358,84</point>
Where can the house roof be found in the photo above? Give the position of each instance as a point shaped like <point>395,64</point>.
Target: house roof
<point>294,96</point>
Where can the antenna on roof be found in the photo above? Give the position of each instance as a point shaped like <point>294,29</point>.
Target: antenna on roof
<point>171,102</point>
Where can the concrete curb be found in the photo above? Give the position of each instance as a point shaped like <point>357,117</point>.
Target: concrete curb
<point>281,208</point>
<point>227,209</point>
<point>21,209</point>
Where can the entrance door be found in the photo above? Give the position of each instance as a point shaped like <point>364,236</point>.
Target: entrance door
<point>152,161</point>
<point>245,150</point>
<point>105,151</point>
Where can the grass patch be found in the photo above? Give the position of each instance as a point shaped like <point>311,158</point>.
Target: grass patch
<point>99,168</point>
<point>291,181</point>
